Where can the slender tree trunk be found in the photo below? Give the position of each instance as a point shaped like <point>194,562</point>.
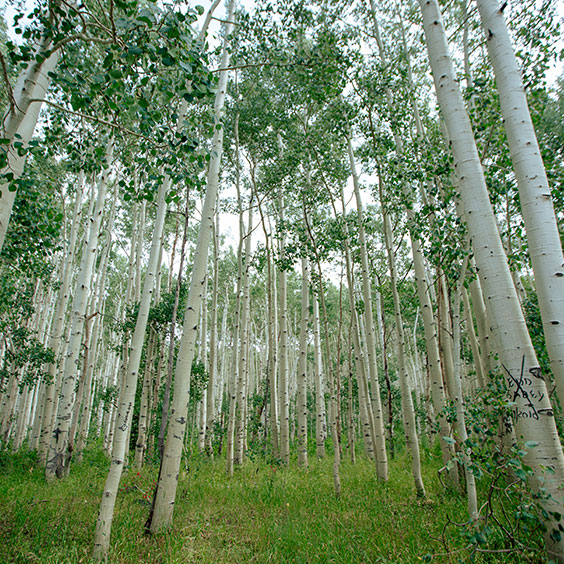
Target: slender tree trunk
<point>380,438</point>
<point>214,357</point>
<point>58,458</point>
<point>57,329</point>
<point>320,415</point>
<point>163,501</point>
<point>408,414</point>
<point>244,349</point>
<point>284,397</point>
<point>301,401</point>
<point>272,337</point>
<point>125,410</point>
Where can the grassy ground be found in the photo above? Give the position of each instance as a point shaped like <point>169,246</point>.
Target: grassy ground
<point>263,514</point>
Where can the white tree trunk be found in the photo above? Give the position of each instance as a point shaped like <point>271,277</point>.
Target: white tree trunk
<point>320,416</point>
<point>32,85</point>
<point>541,226</point>
<point>378,415</point>
<point>163,505</point>
<point>57,329</point>
<point>127,399</point>
<point>301,401</point>
<point>58,458</point>
<point>535,418</point>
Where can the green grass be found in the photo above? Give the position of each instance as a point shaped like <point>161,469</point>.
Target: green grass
<point>264,514</point>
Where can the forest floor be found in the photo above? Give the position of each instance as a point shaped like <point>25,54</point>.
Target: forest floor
<point>263,514</point>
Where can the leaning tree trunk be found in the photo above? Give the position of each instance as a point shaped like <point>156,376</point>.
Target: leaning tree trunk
<point>163,501</point>
<point>21,120</point>
<point>541,226</point>
<point>534,414</point>
<point>127,400</point>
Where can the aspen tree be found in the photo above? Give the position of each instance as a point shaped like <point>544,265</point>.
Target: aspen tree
<point>127,398</point>
<point>90,358</point>
<point>283,392</point>
<point>244,348</point>
<point>301,400</point>
<point>320,417</point>
<point>232,383</point>
<point>214,357</point>
<point>272,333</point>
<point>333,391</point>
<point>58,458</point>
<point>163,504</point>
<point>541,227</point>
<point>408,413</point>
<point>534,414</point>
<point>423,291</point>
<point>380,439</point>
<point>459,402</point>
<point>57,328</point>
<point>203,353</point>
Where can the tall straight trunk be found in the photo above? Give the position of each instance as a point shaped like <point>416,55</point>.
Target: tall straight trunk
<point>433,357</point>
<point>534,414</point>
<point>98,302</point>
<point>57,328</point>
<point>481,376</point>
<point>301,401</point>
<point>272,335</point>
<point>320,416</point>
<point>543,236</point>
<point>233,379</point>
<point>333,390</point>
<point>244,349</point>
<point>82,381</point>
<point>163,501</point>
<point>214,357</point>
<point>58,458</point>
<point>144,407</point>
<point>204,361</point>
<point>471,493</point>
<point>283,392</point>
<point>378,415</point>
<point>408,413</point>
<point>445,333</point>
<point>430,328</point>
<point>172,336</point>
<point>127,400</point>
<point>366,416</point>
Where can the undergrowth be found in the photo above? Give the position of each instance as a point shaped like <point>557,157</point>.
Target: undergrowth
<point>264,513</point>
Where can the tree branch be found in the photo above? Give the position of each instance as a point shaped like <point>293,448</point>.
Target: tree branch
<point>96,120</point>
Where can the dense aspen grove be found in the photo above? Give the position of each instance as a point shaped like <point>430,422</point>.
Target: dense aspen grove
<point>271,235</point>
